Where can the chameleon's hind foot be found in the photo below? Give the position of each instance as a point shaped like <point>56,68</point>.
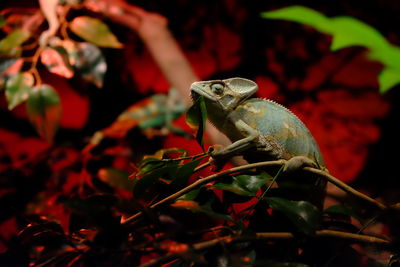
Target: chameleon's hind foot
<point>298,162</point>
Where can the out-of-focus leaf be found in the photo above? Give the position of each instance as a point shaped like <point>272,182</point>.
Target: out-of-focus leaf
<point>145,185</point>
<point>44,110</point>
<point>56,60</point>
<point>300,14</point>
<point>196,117</point>
<point>342,210</point>
<point>90,63</point>
<point>387,79</point>
<point>244,185</point>
<point>10,44</point>
<point>18,87</point>
<point>305,216</point>
<point>346,32</point>
<point>116,178</point>
<point>191,195</point>
<point>95,31</point>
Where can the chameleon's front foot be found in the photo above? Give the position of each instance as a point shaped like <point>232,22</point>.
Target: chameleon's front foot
<point>217,158</point>
<point>298,162</point>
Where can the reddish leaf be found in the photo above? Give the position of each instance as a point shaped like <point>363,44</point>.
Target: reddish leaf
<point>56,61</point>
<point>44,110</point>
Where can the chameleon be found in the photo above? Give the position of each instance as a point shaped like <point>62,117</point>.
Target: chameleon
<point>260,129</point>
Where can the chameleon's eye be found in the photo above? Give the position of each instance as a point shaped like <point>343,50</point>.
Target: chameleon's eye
<point>218,88</point>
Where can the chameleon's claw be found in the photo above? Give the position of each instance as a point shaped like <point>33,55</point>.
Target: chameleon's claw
<point>297,163</point>
<point>217,159</point>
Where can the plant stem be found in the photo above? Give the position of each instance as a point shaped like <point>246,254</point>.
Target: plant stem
<point>206,180</point>
<point>321,173</point>
<point>346,187</point>
<point>271,236</point>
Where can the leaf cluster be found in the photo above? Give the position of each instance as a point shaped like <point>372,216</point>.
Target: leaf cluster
<point>73,50</point>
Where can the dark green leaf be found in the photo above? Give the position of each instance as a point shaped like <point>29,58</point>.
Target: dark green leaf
<point>191,195</point>
<point>10,44</point>
<point>18,87</point>
<point>145,185</point>
<point>342,210</point>
<point>95,31</point>
<point>2,21</point>
<point>348,31</point>
<point>116,178</point>
<point>183,173</point>
<point>90,63</point>
<point>56,60</point>
<point>196,117</point>
<point>300,14</point>
<point>244,185</point>
<point>305,216</point>
<point>44,110</point>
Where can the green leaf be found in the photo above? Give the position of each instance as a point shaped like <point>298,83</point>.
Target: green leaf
<point>388,78</point>
<point>95,31</point>
<point>244,185</point>
<point>300,14</point>
<point>348,31</point>
<point>56,60</point>
<point>342,210</point>
<point>116,178</point>
<point>196,117</point>
<point>145,185</point>
<point>10,44</point>
<point>305,216</point>
<point>190,195</point>
<point>183,173</point>
<point>90,63</point>
<point>44,110</point>
<point>18,87</point>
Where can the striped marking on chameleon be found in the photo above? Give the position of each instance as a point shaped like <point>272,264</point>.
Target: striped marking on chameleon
<point>290,129</point>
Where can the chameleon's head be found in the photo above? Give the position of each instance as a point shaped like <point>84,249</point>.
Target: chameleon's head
<point>224,94</point>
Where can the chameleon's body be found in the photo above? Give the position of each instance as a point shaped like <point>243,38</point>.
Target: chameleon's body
<point>259,129</point>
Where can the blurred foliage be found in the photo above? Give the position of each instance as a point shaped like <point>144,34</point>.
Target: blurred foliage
<point>348,31</point>
<point>60,52</point>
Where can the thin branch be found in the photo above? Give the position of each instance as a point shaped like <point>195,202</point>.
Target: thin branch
<point>276,163</point>
<point>206,180</point>
<point>272,236</point>
<point>345,187</point>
